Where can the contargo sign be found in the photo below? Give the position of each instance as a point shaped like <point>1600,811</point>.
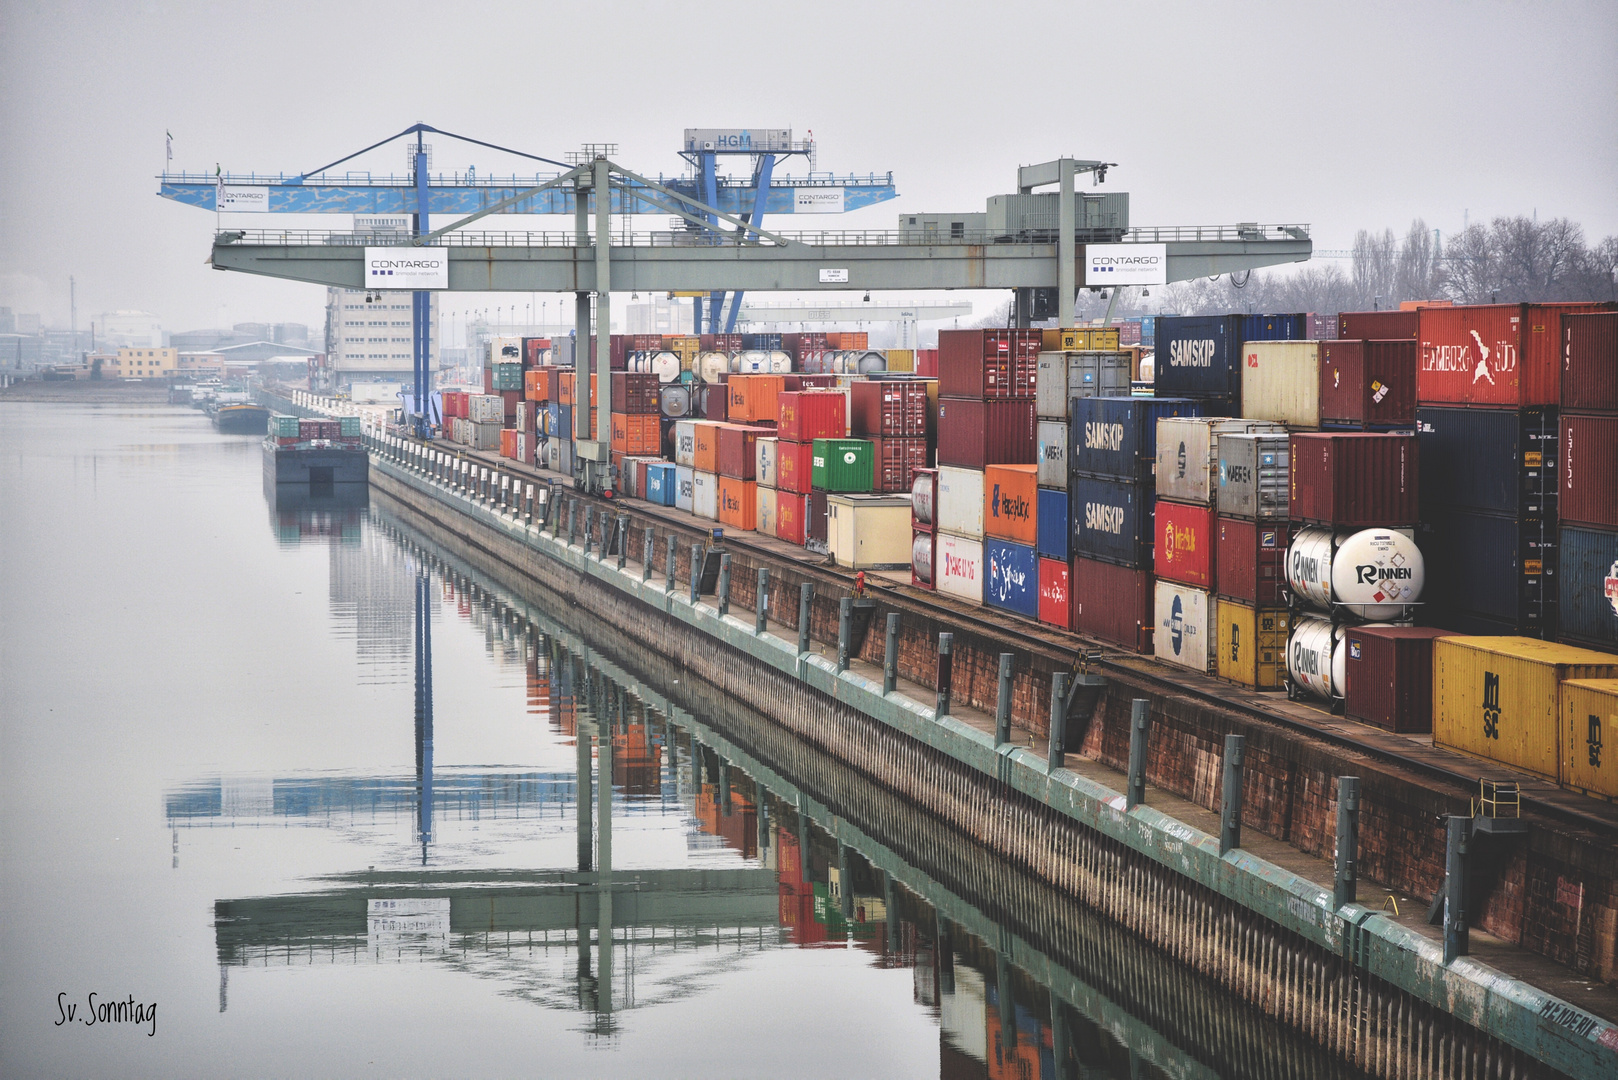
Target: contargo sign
<point>243,200</point>
<point>406,268</point>
<point>1126,264</point>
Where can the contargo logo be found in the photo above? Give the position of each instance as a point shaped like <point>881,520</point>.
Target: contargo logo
<point>388,267</point>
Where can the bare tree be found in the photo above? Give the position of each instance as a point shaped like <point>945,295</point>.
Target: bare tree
<point>1374,266</point>
<point>1413,274</point>
<point>1472,265</point>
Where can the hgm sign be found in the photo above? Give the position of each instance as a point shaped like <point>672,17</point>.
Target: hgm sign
<point>1126,264</point>
<point>406,268</point>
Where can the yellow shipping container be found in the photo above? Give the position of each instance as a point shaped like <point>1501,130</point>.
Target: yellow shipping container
<point>1499,698</point>
<point>1253,645</point>
<point>1589,717</point>
<point>1080,339</point>
<point>901,360</point>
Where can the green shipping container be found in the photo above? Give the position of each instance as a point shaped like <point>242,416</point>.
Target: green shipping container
<point>284,427</point>
<point>350,427</point>
<point>843,465</point>
<point>507,377</point>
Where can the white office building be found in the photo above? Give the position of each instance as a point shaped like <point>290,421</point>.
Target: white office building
<point>368,336</point>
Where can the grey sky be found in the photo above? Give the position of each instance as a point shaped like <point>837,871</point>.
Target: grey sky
<point>1342,116</point>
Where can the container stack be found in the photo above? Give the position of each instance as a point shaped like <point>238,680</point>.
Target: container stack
<point>1201,356</point>
<point>892,414</point>
<point>924,529</point>
<point>1010,531</point>
<point>737,460</point>
<point>804,416</point>
<point>958,568</point>
<point>1368,385</point>
<point>1587,484</point>
<point>764,474</point>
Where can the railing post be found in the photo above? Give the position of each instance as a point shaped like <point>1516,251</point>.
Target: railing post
<point>946,649</point>
<point>845,629</point>
<point>1345,881</point>
<point>1140,727</point>
<point>890,655</point>
<point>1054,758</point>
<point>761,597</point>
<point>724,584</point>
<point>572,521</point>
<point>806,598</point>
<point>697,561</point>
<point>623,540</point>
<point>646,557</point>
<point>1230,809</point>
<point>589,529</point>
<point>669,564</point>
<point>1458,841</point>
<point>1002,703</point>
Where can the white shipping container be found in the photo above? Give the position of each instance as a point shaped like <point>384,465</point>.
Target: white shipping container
<point>685,442</point>
<point>764,460</point>
<point>959,567</point>
<point>869,532</point>
<point>1188,454</point>
<point>1281,382</point>
<point>486,436</point>
<point>1052,453</point>
<point>505,350</point>
<point>1184,630</point>
<point>1050,386</point>
<point>486,408</point>
<point>705,495</point>
<point>553,455</point>
<point>960,501</point>
<point>766,510</point>
<point>684,487</point>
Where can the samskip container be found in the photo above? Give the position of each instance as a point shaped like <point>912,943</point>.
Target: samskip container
<point>1590,362</point>
<point>1493,354</point>
<point>1252,644</point>
<point>960,500</point>
<point>959,568</point>
<point>974,433</point>
<point>1587,588</point>
<point>1354,479</point>
<point>1117,436</point>
<point>1498,460</point>
<point>1589,722</point>
<point>1251,561</point>
<point>1254,476</point>
<point>1388,676</point>
<point>1380,325</point>
<point>1011,503</point>
<point>1587,465</point>
<point>1055,529</point>
<point>1183,628</point>
<point>1199,356</point>
<point>1050,437</point>
<point>1492,565</point>
<point>1281,382</point>
<point>1184,547</point>
<point>1012,582</point>
<point>843,465</point>
<point>1368,383</point>
<point>1055,593</point>
<point>1114,603</point>
<point>1188,454</point>
<point>1112,520</point>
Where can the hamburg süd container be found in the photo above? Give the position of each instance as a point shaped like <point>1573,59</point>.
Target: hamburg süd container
<point>738,503</point>
<point>843,465</point>
<point>794,466</point>
<point>1370,384</point>
<point>960,500</point>
<point>1055,593</point>
<point>764,519</point>
<point>1500,698</point>
<point>1502,568</point>
<point>1370,574</point>
<point>1590,362</point>
<point>1183,628</point>
<point>1589,718</point>
<point>1493,354</point>
<point>705,495</point>
<point>1251,561</point>
<point>1254,476</point>
<point>1587,593</point>
<point>1183,550</point>
<point>1587,467</point>
<point>959,567</point>
<point>869,532</point>
<point>988,363</point>
<point>1112,520</point>
<point>1055,529</point>
<point>1388,676</point>
<point>1188,454</point>
<point>1117,436</point>
<point>1281,382</point>
<point>1114,603</point>
<point>1354,479</point>
<point>1380,325</point>
<point>888,407</point>
<point>1252,644</point>
<point>973,433</point>
<point>895,460</point>
<point>1012,581</point>
<point>685,488</point>
<point>1051,453</point>
<point>923,559</point>
<point>660,483</point>
<point>791,517</point>
<point>764,461</point>
<point>1011,503</point>
<point>1499,460</point>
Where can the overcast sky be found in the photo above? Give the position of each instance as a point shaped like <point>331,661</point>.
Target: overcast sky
<point>1343,115</point>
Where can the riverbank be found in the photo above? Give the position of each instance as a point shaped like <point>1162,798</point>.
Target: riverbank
<point>87,392</point>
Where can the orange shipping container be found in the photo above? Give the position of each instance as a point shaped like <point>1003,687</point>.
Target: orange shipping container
<point>1010,499</point>
<point>565,384</point>
<point>705,455</point>
<point>738,503</point>
<point>636,435</point>
<point>508,442</point>
<point>533,385</point>
<point>755,397</point>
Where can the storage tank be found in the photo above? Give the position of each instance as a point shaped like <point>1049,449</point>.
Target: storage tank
<point>711,365</point>
<point>921,557</point>
<point>674,400</point>
<point>1312,657</point>
<point>780,362</point>
<point>923,494</point>
<point>752,362</point>
<point>1370,574</point>
<point>665,365</point>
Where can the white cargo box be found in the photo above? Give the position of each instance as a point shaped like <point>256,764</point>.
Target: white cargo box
<point>958,567</point>
<point>705,494</point>
<point>1183,629</point>
<point>960,501</point>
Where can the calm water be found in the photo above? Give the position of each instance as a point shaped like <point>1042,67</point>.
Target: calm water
<point>222,797</point>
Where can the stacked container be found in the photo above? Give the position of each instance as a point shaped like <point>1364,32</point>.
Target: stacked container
<point>764,476</point>
<point>1200,356</point>
<point>1368,385</point>
<point>892,414</point>
<point>737,460</point>
<point>1587,482</point>
<point>958,568</point>
<point>802,417</point>
<point>986,384</point>
<point>924,529</point>
<point>1010,529</point>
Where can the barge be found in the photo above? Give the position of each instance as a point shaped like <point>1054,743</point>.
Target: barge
<point>314,458</point>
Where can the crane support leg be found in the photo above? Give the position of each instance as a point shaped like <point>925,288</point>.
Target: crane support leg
<point>761,183</point>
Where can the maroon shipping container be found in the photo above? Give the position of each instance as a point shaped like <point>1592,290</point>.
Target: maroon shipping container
<point>533,351</point>
<point>512,399</point>
<point>1320,327</point>
<point>1252,557</point>
<point>738,450</point>
<point>898,459</point>
<point>1590,362</point>
<point>1389,676</point>
<point>1113,603</point>
<point>806,415</point>
<point>815,527</point>
<point>1380,325</point>
<point>1587,471</point>
<point>1369,383</point>
<point>927,363</point>
<point>889,407</point>
<point>716,405</point>
<point>634,394</point>
<point>973,433</point>
<point>988,363</point>
<point>488,379</point>
<point>727,343</point>
<point>1356,480</point>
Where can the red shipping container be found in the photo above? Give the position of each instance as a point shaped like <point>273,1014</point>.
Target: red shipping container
<point>927,363</point>
<point>512,399</point>
<point>716,403</point>
<point>1493,354</point>
<point>1055,593</point>
<point>973,433</point>
<point>1250,559</point>
<point>533,351</point>
<point>790,517</point>
<point>1356,480</point>
<point>738,450</point>
<point>1379,325</point>
<point>1368,382</point>
<point>1113,603</point>
<point>888,407</point>
<point>988,363</point>
<point>1590,362</point>
<point>1389,676</point>
<point>1184,550</point>
<point>897,462</point>
<point>488,379</point>
<point>794,466</point>
<point>634,393</point>
<point>1588,471</point>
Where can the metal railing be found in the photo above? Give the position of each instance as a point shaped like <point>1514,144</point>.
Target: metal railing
<point>366,178</point>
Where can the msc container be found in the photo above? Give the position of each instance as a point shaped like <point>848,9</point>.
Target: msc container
<point>684,488</point>
<point>1055,535</point>
<point>1587,464</point>
<point>1500,698</point>
<point>1493,354</point>
<point>1188,454</point>
<point>1062,376</point>
<point>960,500</point>
<point>1499,460</point>
<point>889,407</point>
<point>1368,383</point>
<point>1590,362</point>
<point>1056,593</point>
<point>1050,437</point>
<point>1012,583</point>
<point>764,459</point>
<point>1281,382</point>
<point>1250,561</point>
<point>1117,436</point>
<point>1492,565</point>
<point>738,503</point>
<point>1354,479</point>
<point>738,450</point>
<point>1112,520</point>
<point>959,567</point>
<point>1254,476</point>
<point>1388,676</point>
<point>1587,596</point>
<point>791,517</point>
<point>843,465</point>
<point>923,559</point>
<point>1253,644</point>
<point>895,461</point>
<point>764,519</point>
<point>1011,503</point>
<point>1184,547</point>
<point>794,466</point>
<point>1198,356</point>
<point>661,483</point>
<point>1183,627</point>
<point>1380,325</point>
<point>1589,720</point>
<point>1113,603</point>
<point>974,433</point>
<point>705,455</point>
<point>705,495</point>
<point>988,363</point>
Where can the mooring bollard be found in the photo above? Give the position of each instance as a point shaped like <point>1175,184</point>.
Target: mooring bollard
<point>668,565</point>
<point>806,597</point>
<point>1140,726</point>
<point>845,629</point>
<point>724,584</point>
<point>1458,841</point>
<point>946,646</point>
<point>1054,756</point>
<point>1345,882</point>
<point>1002,704</point>
<point>761,598</point>
<point>623,541</point>
<point>646,557</point>
<point>697,559</point>
<point>572,521</point>
<point>890,656</point>
<point>1230,809</point>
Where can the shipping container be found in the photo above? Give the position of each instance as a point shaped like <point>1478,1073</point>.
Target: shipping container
<point>485,435</point>
<point>987,363</point>
<point>738,450</point>
<point>1056,593</point>
<point>705,494</point>
<point>1012,582</point>
<point>1184,631</point>
<point>507,377</point>
<point>738,503</point>
<point>889,407</point>
<point>1380,325</point>
<point>960,500</point>
<point>705,447</point>
<point>1281,382</point>
<point>1188,454</point>
<point>1114,603</point>
<point>764,519</point>
<point>716,403</point>
<point>535,351</point>
<point>895,462</point>
<point>685,442</point>
<point>527,415</point>
<point>973,434</point>
<point>901,359</point>
<point>764,462</point>
<point>1587,464</point>
<point>754,397</point>
<point>1081,339</point>
<point>1252,644</point>
<point>1050,438</point>
<point>1388,676</point>
<point>1199,356</point>
<point>634,394</point>
<point>1590,362</point>
<point>1354,479</point>
<point>661,484</point>
<point>923,558</point>
<point>1499,460</point>
<point>1117,436</point>
<point>1589,718</point>
<point>843,465</point>
<point>924,500</point>
<point>1500,698</point>
<point>794,466</point>
<point>1250,561</point>
<point>1493,354</point>
<point>1112,520</point>
<point>1063,376</point>
<point>1500,567</point>
<point>486,409</point>
<point>959,567</point>
<point>815,518</point>
<point>1254,476</point>
<point>684,488</point>
<point>1011,503</point>
<point>637,434</point>
<point>927,362</point>
<point>791,517</point>
<point>1185,541</point>
<point>1055,535</point>
<point>1587,589</point>
<point>1368,384</point>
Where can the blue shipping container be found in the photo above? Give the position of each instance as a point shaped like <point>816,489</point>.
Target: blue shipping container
<point>660,483</point>
<point>553,418</point>
<point>1491,565</point>
<point>1588,573</point>
<point>1053,526</point>
<point>1199,355</point>
<point>1112,520</point>
<point>1275,327</point>
<point>1501,460</point>
<point>1012,581</point>
<point>1117,436</point>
